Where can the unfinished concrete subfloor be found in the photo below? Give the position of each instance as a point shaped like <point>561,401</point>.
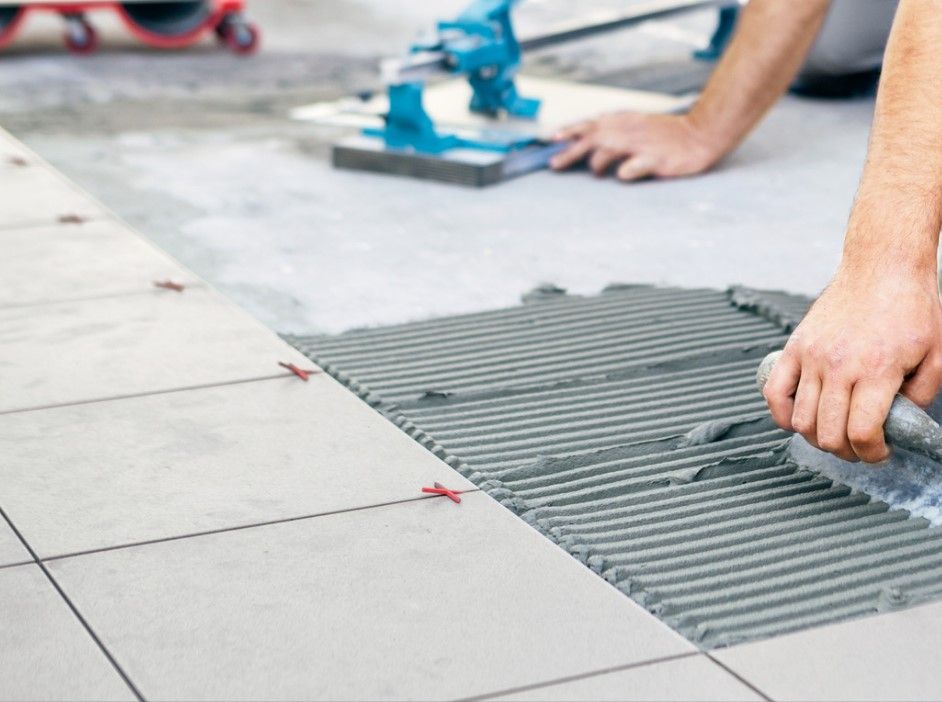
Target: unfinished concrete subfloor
<point>197,149</point>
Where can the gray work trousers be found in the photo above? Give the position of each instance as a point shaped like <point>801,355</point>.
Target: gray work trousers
<point>852,39</point>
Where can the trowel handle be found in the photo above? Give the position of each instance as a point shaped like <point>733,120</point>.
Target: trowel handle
<point>907,425</point>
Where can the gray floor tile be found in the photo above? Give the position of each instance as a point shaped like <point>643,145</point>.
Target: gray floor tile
<point>200,460</point>
<point>12,151</point>
<point>426,599</point>
<point>66,261</point>
<point>11,550</point>
<point>893,656</point>
<point>33,193</point>
<point>78,351</point>
<point>47,654</point>
<point>691,678</point>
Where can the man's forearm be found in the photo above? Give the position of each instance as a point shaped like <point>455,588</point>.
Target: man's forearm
<point>769,46</point>
<point>898,212</point>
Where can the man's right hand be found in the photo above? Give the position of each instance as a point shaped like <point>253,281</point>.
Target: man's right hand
<point>867,337</point>
<point>771,41</point>
<point>637,146</point>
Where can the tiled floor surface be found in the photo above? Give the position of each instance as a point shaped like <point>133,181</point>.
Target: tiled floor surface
<point>203,524</point>
<point>206,525</point>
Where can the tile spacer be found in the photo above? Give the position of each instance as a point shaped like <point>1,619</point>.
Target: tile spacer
<point>440,489</point>
<point>169,285</point>
<point>300,372</point>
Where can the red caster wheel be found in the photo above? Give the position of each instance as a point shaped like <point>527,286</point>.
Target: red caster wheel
<point>10,18</point>
<point>240,36</point>
<point>80,36</point>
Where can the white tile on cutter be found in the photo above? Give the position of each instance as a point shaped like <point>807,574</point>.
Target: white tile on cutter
<point>85,350</point>
<point>46,653</point>
<point>695,678</point>
<point>11,550</point>
<point>892,656</point>
<point>564,102</point>
<point>61,262</point>
<point>201,460</point>
<point>422,600</point>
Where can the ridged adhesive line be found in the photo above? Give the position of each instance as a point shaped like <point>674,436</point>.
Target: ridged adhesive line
<point>626,427</point>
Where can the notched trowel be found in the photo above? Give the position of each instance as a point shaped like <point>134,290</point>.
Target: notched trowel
<point>907,426</point>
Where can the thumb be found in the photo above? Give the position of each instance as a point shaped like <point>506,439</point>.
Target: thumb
<point>635,168</point>
<point>923,385</point>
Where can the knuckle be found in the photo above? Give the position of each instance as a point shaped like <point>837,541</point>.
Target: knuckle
<point>830,441</point>
<point>795,340</point>
<point>834,358</point>
<point>780,418</point>
<point>863,436</point>
<point>803,424</point>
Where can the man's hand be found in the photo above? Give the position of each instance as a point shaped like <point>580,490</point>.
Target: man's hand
<point>637,146</point>
<point>866,337</point>
<point>878,327</point>
<point>771,40</point>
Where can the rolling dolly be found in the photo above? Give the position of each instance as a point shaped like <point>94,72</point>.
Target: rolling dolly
<point>168,24</point>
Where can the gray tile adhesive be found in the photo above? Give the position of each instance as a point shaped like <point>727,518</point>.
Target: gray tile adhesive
<point>627,428</point>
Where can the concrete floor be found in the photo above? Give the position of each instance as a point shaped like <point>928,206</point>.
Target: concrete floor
<point>196,150</point>
<point>224,559</point>
<point>182,518</point>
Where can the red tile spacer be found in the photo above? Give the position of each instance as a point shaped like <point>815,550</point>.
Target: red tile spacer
<point>440,489</point>
<point>169,285</point>
<point>303,374</point>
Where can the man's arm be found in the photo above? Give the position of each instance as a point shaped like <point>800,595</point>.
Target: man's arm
<point>878,326</point>
<point>771,42</point>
